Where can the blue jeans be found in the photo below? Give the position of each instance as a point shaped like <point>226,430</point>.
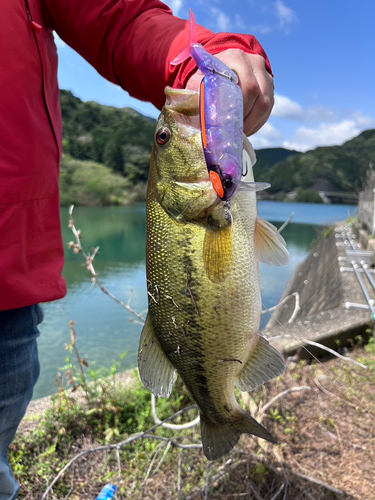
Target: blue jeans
<point>19,371</point>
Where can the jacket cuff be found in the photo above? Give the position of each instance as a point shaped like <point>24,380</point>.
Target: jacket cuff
<point>178,76</point>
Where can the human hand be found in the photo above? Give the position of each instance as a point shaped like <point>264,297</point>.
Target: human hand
<point>256,84</point>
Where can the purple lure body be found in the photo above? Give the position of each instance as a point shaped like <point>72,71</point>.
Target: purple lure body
<point>221,115</point>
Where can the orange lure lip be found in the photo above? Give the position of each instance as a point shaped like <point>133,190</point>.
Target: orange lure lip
<point>217,184</point>
<point>203,117</point>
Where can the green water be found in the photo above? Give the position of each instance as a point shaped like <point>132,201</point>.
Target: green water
<point>103,327</point>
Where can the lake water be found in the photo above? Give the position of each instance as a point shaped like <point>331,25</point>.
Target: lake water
<point>103,327</point>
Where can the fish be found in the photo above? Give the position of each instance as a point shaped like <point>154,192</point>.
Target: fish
<point>202,262</point>
<point>221,116</point>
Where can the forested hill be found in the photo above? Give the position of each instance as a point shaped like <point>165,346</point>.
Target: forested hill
<point>107,155</point>
<point>336,168</point>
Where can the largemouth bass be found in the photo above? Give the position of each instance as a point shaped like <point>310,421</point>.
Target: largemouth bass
<point>203,282</point>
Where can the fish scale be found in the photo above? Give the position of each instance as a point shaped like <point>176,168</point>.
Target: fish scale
<point>203,284</point>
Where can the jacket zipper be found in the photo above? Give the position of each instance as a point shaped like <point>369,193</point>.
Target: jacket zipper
<point>36,26</point>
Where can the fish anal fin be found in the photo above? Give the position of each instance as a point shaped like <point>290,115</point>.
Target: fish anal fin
<point>156,371</point>
<point>218,252</point>
<point>219,438</point>
<point>264,364</point>
<point>269,244</point>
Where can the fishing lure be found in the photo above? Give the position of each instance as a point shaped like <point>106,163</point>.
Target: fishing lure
<point>221,116</point>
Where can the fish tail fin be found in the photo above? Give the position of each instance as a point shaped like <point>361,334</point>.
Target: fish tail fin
<point>219,439</point>
<point>182,56</point>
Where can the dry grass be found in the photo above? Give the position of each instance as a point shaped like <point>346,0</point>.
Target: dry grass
<point>325,436</point>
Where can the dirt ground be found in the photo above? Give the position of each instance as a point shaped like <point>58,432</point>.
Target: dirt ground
<point>326,448</point>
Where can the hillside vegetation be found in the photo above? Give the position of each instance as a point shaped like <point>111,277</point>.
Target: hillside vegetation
<point>336,168</point>
<point>107,156</point>
<point>106,153</point>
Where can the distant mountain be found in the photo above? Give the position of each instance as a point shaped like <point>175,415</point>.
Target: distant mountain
<point>335,168</point>
<point>120,141</point>
<point>266,159</point>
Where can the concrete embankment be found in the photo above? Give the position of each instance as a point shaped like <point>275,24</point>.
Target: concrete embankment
<point>314,307</point>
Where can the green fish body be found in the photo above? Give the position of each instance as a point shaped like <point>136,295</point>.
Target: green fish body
<point>203,283</point>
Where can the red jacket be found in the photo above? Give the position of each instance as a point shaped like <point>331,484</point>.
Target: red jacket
<point>129,42</point>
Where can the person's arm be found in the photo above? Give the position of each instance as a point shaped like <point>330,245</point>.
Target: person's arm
<point>131,43</point>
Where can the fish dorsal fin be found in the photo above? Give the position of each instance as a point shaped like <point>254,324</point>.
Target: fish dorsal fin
<point>218,252</point>
<point>269,244</point>
<point>264,364</point>
<point>156,371</point>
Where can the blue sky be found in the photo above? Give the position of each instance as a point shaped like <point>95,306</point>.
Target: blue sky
<point>321,52</point>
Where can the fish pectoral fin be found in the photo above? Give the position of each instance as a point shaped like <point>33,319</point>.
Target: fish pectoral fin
<point>264,364</point>
<point>156,371</point>
<point>218,252</point>
<point>219,439</point>
<point>270,246</point>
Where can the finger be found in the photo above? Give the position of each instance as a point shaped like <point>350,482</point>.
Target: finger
<point>194,81</point>
<point>257,115</point>
<point>256,84</point>
<point>260,112</point>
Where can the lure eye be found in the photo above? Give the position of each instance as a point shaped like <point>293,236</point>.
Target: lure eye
<point>228,183</point>
<point>163,135</point>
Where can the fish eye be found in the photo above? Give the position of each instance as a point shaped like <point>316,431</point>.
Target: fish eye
<point>163,135</point>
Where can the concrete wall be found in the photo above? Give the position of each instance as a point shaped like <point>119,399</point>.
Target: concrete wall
<point>366,210</point>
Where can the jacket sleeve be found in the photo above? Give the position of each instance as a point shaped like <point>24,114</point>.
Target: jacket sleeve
<point>131,42</point>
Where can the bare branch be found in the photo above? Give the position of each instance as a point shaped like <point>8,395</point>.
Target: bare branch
<point>319,385</point>
<point>171,426</point>
<point>179,474</point>
<point>284,393</point>
<point>163,457</point>
<point>278,492</point>
<point>321,346</point>
<point>319,483</point>
<point>145,434</point>
<point>296,307</point>
<point>281,228</point>
<point>207,486</point>
<point>154,456</point>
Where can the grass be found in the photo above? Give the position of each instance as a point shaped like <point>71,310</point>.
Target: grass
<point>102,409</point>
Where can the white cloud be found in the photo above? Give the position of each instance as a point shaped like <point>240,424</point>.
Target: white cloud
<point>291,110</point>
<point>223,21</point>
<point>326,134</point>
<point>267,137</point>
<point>261,29</point>
<point>316,126</point>
<point>59,43</point>
<point>361,119</point>
<point>286,108</point>
<point>285,15</point>
<point>320,114</point>
<point>175,5</point>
